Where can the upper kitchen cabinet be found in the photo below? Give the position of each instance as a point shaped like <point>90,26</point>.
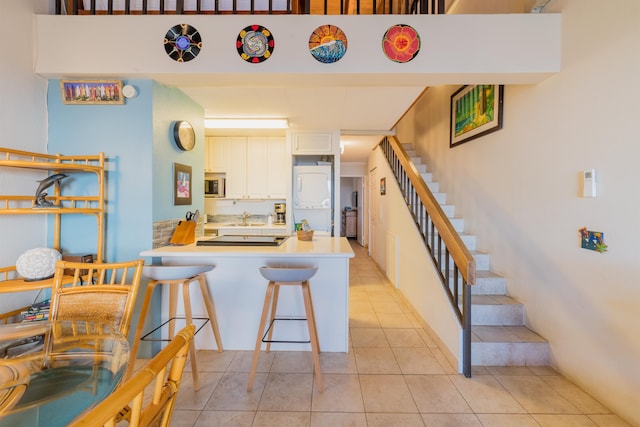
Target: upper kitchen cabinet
<point>277,168</point>
<point>312,142</point>
<point>255,168</point>
<point>216,153</point>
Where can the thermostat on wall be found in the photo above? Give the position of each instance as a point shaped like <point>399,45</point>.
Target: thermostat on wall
<point>589,183</point>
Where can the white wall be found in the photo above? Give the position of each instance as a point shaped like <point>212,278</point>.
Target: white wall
<point>524,48</point>
<point>23,123</point>
<point>518,191</point>
<point>400,251</point>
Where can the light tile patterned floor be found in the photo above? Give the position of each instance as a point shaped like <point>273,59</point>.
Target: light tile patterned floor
<point>393,375</point>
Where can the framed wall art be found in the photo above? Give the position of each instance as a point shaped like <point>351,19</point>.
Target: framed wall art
<point>383,186</point>
<point>476,110</point>
<point>85,92</point>
<point>182,178</point>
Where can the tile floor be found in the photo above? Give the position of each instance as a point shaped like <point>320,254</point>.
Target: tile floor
<point>393,375</point>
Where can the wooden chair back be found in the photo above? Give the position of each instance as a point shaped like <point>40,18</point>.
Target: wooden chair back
<point>101,293</point>
<point>161,377</point>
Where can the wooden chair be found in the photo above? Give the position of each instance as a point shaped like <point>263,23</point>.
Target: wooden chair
<point>99,293</point>
<point>128,400</point>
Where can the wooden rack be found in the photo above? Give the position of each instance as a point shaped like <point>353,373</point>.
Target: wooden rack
<point>24,205</point>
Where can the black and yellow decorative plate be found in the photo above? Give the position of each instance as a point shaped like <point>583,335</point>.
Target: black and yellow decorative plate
<point>255,44</point>
<point>182,43</point>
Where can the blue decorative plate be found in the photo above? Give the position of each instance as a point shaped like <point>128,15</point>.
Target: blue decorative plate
<point>182,43</point>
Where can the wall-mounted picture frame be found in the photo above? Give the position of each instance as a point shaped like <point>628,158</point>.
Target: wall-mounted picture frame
<point>383,186</point>
<point>91,92</point>
<point>476,110</point>
<point>182,179</point>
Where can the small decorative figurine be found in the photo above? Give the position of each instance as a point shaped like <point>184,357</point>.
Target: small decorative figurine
<point>41,201</point>
<point>592,240</point>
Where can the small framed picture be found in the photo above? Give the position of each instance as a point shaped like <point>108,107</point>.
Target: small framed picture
<point>182,178</point>
<point>86,92</point>
<point>383,186</point>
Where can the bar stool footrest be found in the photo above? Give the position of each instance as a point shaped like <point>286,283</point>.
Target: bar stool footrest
<point>146,337</point>
<point>282,341</point>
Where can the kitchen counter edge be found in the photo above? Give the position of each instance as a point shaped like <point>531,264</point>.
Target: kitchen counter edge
<point>320,246</point>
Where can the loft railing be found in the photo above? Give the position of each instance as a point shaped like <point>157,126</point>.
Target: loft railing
<point>456,266</point>
<point>219,7</point>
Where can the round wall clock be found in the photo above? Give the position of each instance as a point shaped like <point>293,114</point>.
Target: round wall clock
<point>184,135</point>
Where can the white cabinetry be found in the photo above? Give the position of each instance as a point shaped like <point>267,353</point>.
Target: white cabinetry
<point>216,153</point>
<point>314,142</point>
<point>256,168</point>
<point>277,168</point>
<point>236,181</point>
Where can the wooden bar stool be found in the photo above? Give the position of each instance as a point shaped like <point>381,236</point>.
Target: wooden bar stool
<point>286,276</point>
<point>176,276</point>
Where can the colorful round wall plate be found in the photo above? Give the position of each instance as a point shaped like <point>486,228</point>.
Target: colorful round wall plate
<point>255,44</point>
<point>182,43</point>
<point>401,43</point>
<point>328,44</point>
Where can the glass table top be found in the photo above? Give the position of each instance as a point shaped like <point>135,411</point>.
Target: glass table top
<point>50,372</point>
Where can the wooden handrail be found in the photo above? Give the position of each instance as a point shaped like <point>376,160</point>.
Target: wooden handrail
<point>438,234</point>
<point>457,249</point>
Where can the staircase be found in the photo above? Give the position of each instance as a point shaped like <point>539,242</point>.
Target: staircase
<point>499,336</point>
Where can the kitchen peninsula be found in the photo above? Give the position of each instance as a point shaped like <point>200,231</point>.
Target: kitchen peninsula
<point>238,290</point>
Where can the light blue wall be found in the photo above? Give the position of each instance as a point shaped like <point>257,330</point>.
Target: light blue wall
<point>137,140</point>
<point>171,105</point>
<point>123,133</point>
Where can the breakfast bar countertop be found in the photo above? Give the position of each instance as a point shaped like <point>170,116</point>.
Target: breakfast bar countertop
<point>320,246</point>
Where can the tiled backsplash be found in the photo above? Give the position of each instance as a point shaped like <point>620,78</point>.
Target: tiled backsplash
<point>163,230</point>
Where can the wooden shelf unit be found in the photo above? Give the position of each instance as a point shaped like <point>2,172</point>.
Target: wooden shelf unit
<point>79,205</point>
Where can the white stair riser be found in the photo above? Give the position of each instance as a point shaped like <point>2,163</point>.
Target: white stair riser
<point>441,198</point>
<point>449,210</point>
<point>489,286</point>
<point>510,354</point>
<point>433,186</point>
<point>497,314</point>
<point>421,167</point>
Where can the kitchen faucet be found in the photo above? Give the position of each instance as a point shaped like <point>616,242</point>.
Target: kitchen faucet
<point>245,215</point>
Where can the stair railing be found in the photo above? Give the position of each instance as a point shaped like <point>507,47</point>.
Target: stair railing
<point>296,7</point>
<point>440,238</point>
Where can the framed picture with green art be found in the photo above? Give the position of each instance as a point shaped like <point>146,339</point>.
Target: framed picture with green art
<point>476,110</point>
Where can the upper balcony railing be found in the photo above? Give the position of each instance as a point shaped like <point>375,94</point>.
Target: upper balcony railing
<point>250,7</point>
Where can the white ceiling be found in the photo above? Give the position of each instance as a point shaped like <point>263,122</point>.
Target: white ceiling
<point>360,111</point>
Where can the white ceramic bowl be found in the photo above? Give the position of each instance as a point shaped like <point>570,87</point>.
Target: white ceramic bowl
<point>173,272</point>
<point>288,274</point>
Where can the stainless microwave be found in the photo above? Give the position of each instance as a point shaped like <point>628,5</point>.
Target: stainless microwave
<point>214,187</point>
